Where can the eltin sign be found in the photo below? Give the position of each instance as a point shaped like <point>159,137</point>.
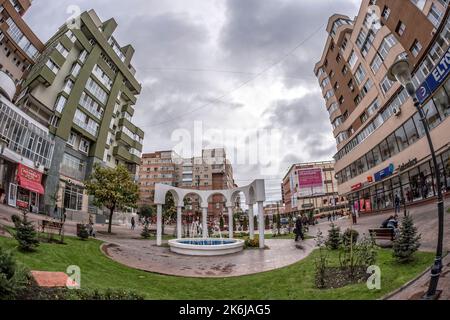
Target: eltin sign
<point>435,79</point>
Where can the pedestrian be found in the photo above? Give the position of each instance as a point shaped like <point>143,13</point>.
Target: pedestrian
<point>354,217</point>
<point>64,216</point>
<point>397,203</point>
<point>333,216</point>
<point>329,216</point>
<point>298,229</point>
<point>133,223</point>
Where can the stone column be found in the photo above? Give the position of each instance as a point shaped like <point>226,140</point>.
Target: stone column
<point>205,222</point>
<point>261,224</point>
<point>230,222</point>
<point>179,224</point>
<point>251,222</point>
<point>159,224</point>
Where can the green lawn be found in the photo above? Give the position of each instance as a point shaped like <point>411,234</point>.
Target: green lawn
<point>292,282</point>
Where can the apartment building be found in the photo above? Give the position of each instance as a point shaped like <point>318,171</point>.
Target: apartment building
<point>19,46</point>
<point>156,167</point>
<point>381,148</point>
<point>311,189</point>
<point>211,171</point>
<point>83,88</point>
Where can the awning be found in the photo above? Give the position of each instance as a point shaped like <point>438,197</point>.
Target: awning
<point>31,185</point>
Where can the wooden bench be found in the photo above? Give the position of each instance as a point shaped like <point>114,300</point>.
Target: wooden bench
<point>48,227</point>
<point>383,233</point>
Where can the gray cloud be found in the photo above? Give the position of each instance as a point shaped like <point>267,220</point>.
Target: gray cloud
<point>188,54</point>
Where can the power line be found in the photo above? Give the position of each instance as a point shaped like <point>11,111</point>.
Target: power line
<point>243,84</point>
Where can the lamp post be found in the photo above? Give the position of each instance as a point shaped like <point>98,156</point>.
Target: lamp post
<point>401,71</point>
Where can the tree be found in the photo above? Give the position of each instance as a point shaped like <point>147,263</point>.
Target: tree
<point>278,223</point>
<point>146,212</point>
<point>334,237</point>
<point>82,232</point>
<point>245,224</point>
<point>267,222</point>
<point>407,242</point>
<point>255,223</point>
<point>221,223</point>
<point>145,231</point>
<point>112,188</point>
<point>13,277</point>
<point>25,233</point>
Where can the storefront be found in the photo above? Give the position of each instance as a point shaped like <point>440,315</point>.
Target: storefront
<point>412,181</point>
<point>25,191</point>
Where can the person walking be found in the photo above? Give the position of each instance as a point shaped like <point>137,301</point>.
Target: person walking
<point>354,217</point>
<point>298,229</point>
<point>397,203</point>
<point>133,223</point>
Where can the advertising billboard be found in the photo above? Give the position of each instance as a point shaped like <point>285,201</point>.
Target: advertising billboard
<point>310,182</point>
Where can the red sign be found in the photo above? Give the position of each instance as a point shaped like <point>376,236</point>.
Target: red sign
<point>357,186</point>
<point>310,178</point>
<point>29,179</point>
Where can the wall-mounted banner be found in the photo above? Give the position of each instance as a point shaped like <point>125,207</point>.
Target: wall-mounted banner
<point>310,181</point>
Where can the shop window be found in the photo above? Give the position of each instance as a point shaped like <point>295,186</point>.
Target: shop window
<point>432,114</point>
<point>411,132</point>
<point>384,148</point>
<point>442,102</point>
<point>361,165</point>
<point>402,140</point>
<point>73,198</point>
<point>370,159</point>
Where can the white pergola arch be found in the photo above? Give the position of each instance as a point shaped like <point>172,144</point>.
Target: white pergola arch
<point>254,194</point>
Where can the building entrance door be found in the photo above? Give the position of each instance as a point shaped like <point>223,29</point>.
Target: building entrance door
<point>34,202</point>
<point>12,195</point>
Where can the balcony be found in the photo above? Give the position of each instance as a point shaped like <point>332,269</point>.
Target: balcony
<point>123,138</point>
<point>122,153</point>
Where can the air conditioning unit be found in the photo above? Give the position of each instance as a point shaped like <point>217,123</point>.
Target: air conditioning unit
<point>397,111</point>
<point>37,164</point>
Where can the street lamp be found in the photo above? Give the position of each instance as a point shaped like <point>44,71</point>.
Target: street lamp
<point>401,71</point>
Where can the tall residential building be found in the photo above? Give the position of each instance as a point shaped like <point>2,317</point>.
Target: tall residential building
<point>381,148</point>
<point>19,46</point>
<point>311,188</point>
<point>211,171</point>
<point>83,88</point>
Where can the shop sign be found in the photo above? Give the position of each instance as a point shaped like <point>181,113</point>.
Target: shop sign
<point>407,165</point>
<point>357,186</point>
<point>369,179</point>
<point>386,172</point>
<point>435,79</point>
<point>307,205</point>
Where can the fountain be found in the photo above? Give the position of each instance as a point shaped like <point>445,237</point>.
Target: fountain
<point>196,246</point>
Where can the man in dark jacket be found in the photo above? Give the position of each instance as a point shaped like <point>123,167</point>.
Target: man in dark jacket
<point>298,229</point>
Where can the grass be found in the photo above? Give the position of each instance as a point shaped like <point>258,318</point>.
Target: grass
<point>292,282</point>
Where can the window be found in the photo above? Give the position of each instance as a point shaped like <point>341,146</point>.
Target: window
<point>344,70</point>
<point>62,50</point>
<point>52,66</point>
<point>333,107</point>
<point>325,82</point>
<point>388,42</point>
<point>68,86</point>
<point>402,140</point>
<point>392,143</point>
<point>75,70</point>
<point>400,29</point>
<point>363,117</point>
<point>83,56</point>
<point>419,125</point>
<point>350,85</point>
<point>96,91</point>
<point>329,94</point>
<point>60,104</point>
<point>72,139</point>
<point>419,3</point>
<point>71,36</point>
<point>415,48</point>
<point>435,15</point>
<point>352,59</point>
<point>336,86</point>
<point>21,40</point>
<point>374,106</point>
<point>102,76</point>
<point>360,74</point>
<point>341,100</point>
<point>73,197</point>
<point>386,12</point>
<point>442,102</point>
<point>376,64</point>
<point>90,105</point>
<point>84,145</point>
<point>361,38</point>
<point>386,84</point>
<point>411,131</point>
<point>433,117</point>
<point>365,89</point>
<point>338,58</point>
<point>384,149</point>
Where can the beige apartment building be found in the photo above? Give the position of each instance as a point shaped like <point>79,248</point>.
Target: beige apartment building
<point>311,189</point>
<point>382,150</point>
<point>211,171</point>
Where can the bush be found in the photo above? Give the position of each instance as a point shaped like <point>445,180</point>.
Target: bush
<point>145,231</point>
<point>13,278</point>
<point>108,294</point>
<point>407,242</point>
<point>249,243</point>
<point>334,237</point>
<point>350,236</point>
<point>321,261</point>
<point>25,233</point>
<point>82,232</point>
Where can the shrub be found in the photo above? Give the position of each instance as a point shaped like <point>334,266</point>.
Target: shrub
<point>25,233</point>
<point>108,294</point>
<point>334,237</point>
<point>358,256</point>
<point>249,243</point>
<point>145,231</point>
<point>350,237</point>
<point>82,232</point>
<point>13,278</point>
<point>321,261</point>
<point>407,242</point>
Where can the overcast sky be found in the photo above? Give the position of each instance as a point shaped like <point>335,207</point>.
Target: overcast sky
<point>236,65</point>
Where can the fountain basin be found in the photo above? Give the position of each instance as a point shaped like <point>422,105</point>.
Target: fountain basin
<point>206,246</point>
